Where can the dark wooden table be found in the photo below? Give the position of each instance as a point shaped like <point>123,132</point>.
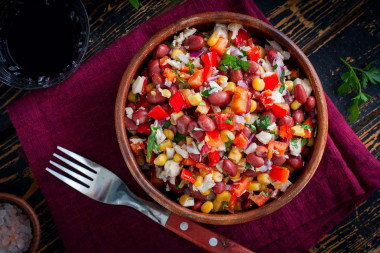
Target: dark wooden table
<point>325,30</point>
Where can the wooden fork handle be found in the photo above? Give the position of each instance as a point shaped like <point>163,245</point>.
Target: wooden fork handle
<point>202,237</point>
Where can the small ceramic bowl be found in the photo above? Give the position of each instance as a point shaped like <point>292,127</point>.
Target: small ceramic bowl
<point>29,212</point>
<point>206,22</point>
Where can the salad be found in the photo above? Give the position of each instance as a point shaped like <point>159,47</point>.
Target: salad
<point>221,120</point>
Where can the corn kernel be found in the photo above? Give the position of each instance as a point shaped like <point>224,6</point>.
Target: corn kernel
<point>165,144</point>
<point>225,134</point>
<point>262,52</point>
<point>224,196</point>
<point>182,184</point>
<point>175,116</point>
<point>254,186</point>
<point>258,84</point>
<point>290,85</point>
<point>226,179</point>
<point>132,97</point>
<point>204,173</point>
<point>160,160</point>
<point>263,187</point>
<point>169,134</point>
<point>217,176</point>
<point>222,79</point>
<point>166,93</point>
<point>295,105</point>
<point>177,158</point>
<point>195,99</point>
<point>213,39</point>
<point>242,163</point>
<point>310,142</point>
<point>198,181</point>
<point>217,206</point>
<point>176,52</point>
<point>189,140</point>
<point>248,118</point>
<point>262,71</point>
<point>207,192</point>
<point>230,87</point>
<point>238,206</point>
<point>150,87</point>
<point>207,207</point>
<point>183,199</point>
<point>263,178</point>
<point>298,130</point>
<point>140,160</point>
<point>227,110</point>
<point>207,139</point>
<point>277,185</point>
<point>237,176</point>
<point>253,105</point>
<point>234,155</point>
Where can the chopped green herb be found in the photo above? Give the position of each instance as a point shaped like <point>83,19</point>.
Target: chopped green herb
<point>205,155</point>
<point>151,142</point>
<point>266,193</point>
<point>304,142</point>
<point>315,132</point>
<point>263,123</point>
<point>133,81</point>
<point>179,137</point>
<point>206,35</point>
<point>229,120</point>
<point>171,45</point>
<point>248,166</point>
<point>207,93</point>
<point>252,127</point>
<point>178,77</point>
<point>191,67</point>
<point>244,52</point>
<point>211,116</point>
<point>294,142</point>
<point>282,88</point>
<point>202,103</point>
<point>135,3</point>
<point>307,127</point>
<point>167,124</point>
<point>186,86</point>
<point>194,176</point>
<point>274,66</point>
<point>225,204</point>
<point>293,78</point>
<point>233,62</point>
<point>282,76</point>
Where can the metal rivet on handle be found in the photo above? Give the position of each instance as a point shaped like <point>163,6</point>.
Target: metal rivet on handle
<point>213,241</point>
<point>184,226</point>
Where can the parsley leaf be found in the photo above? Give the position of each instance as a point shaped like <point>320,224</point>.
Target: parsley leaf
<point>191,67</point>
<point>211,116</point>
<point>304,142</point>
<point>166,124</point>
<point>225,204</point>
<point>135,3</point>
<point>244,52</point>
<point>293,78</point>
<point>315,132</point>
<point>274,66</point>
<point>186,86</point>
<point>179,137</point>
<point>307,127</point>
<point>263,123</point>
<point>252,127</point>
<point>178,76</point>
<point>294,142</point>
<point>207,93</point>
<point>232,62</point>
<point>229,120</point>
<point>282,76</point>
<point>151,142</point>
<point>282,88</point>
<point>248,166</point>
<point>206,35</point>
<point>351,82</point>
<point>205,155</point>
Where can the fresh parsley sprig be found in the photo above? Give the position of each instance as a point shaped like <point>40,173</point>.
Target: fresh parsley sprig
<point>233,62</point>
<point>351,82</point>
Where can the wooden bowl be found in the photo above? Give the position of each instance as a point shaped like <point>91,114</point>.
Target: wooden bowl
<point>206,21</point>
<point>28,210</point>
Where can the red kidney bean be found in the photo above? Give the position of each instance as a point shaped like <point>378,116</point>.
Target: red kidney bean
<point>141,116</point>
<point>278,160</point>
<point>196,194</point>
<point>260,107</point>
<point>310,104</point>
<point>261,151</point>
<point>249,78</point>
<point>219,98</point>
<point>198,135</point>
<point>194,42</point>
<point>255,160</point>
<point>158,79</point>
<point>243,197</point>
<point>162,50</point>
<point>167,108</point>
<point>272,55</point>
<point>305,151</point>
<point>155,97</point>
<point>253,67</point>
<point>219,187</point>
<point>298,116</point>
<point>197,205</point>
<point>173,89</point>
<point>229,167</point>
<point>131,105</point>
<point>173,128</point>
<point>173,187</point>
<point>145,72</point>
<point>206,123</point>
<point>143,102</point>
<point>195,157</point>
<point>300,94</point>
<point>271,115</point>
<point>236,75</point>
<point>246,131</point>
<point>129,124</point>
<point>286,120</point>
<point>250,173</point>
<point>248,106</point>
<point>295,162</point>
<point>255,94</point>
<point>182,124</point>
<point>247,204</point>
<point>193,124</point>
<point>154,67</point>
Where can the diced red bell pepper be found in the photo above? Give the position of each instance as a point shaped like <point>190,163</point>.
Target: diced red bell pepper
<point>254,53</point>
<point>203,107</point>
<point>240,100</point>
<point>276,147</point>
<point>177,102</point>
<point>240,140</point>
<point>271,81</point>
<point>169,74</point>
<point>185,68</point>
<point>187,175</point>
<point>308,133</point>
<point>196,80</point>
<point>266,99</point>
<point>261,198</point>
<point>213,139</point>
<point>225,121</point>
<point>152,156</point>
<point>279,173</point>
<point>285,131</point>
<point>210,59</point>
<point>239,187</point>
<point>188,161</point>
<point>158,113</point>
<point>280,110</point>
<point>204,167</point>
<point>213,158</point>
<point>221,46</point>
<point>163,63</point>
<point>137,147</point>
<point>241,36</point>
<point>232,203</point>
<point>186,94</point>
<point>144,128</point>
<point>294,73</point>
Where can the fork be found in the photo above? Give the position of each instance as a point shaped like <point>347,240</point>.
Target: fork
<point>106,187</point>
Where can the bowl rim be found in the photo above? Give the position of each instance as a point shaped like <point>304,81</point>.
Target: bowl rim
<point>269,32</point>
<point>28,210</point>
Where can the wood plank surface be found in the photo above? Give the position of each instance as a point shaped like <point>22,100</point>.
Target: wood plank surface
<point>325,30</point>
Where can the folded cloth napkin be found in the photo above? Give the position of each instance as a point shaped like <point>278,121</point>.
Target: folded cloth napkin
<point>79,115</point>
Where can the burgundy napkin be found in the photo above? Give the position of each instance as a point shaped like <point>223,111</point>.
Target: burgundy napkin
<point>79,115</point>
